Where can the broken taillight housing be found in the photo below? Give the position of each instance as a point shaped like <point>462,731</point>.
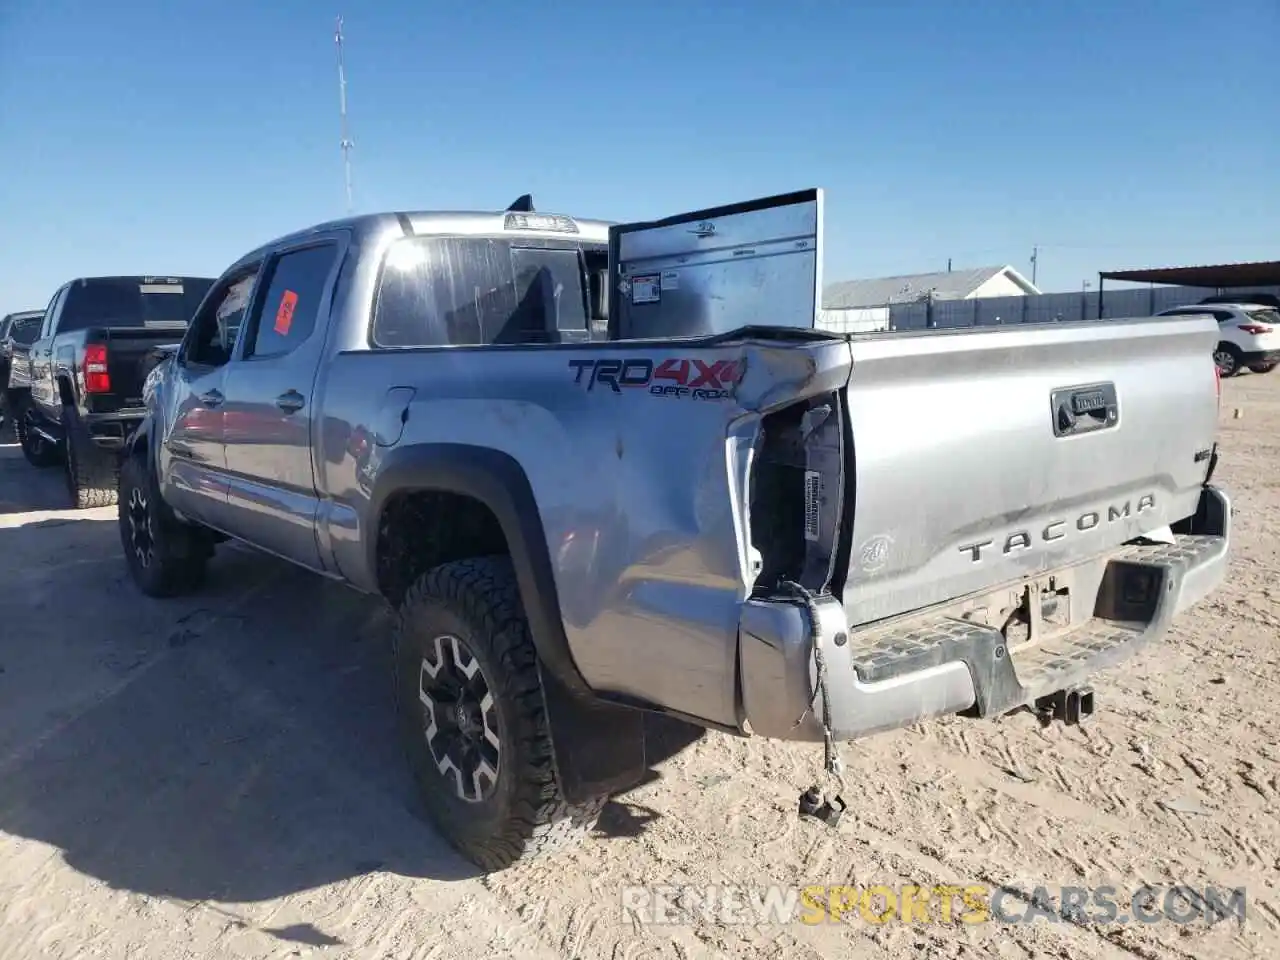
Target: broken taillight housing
<point>96,377</point>
<point>1254,328</point>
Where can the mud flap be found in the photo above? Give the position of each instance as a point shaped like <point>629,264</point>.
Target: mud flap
<point>598,748</point>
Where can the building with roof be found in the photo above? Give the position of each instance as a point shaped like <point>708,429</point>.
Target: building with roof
<point>860,306</point>
<point>1002,281</point>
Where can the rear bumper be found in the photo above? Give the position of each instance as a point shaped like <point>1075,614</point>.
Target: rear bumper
<point>889,677</point>
<point>1260,356</point>
<point>111,431</point>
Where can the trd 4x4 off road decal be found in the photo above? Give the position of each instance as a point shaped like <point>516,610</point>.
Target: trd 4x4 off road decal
<point>698,379</point>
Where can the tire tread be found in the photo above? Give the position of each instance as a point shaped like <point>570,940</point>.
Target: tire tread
<point>484,592</point>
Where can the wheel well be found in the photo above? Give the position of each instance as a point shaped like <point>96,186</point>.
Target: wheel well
<point>421,529</point>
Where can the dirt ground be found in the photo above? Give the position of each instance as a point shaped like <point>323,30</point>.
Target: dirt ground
<point>217,777</point>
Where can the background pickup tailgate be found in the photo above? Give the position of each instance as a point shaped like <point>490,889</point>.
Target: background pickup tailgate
<point>987,456</point>
<point>128,349</point>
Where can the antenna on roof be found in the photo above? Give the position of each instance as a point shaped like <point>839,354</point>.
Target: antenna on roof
<point>345,143</point>
<point>523,204</point>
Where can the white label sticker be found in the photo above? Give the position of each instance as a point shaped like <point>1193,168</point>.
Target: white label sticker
<point>670,280</point>
<point>812,504</point>
<point>159,288</point>
<point>646,289</point>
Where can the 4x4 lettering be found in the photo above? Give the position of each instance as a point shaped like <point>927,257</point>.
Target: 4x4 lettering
<point>709,376</point>
<point>672,377</point>
<point>672,369</point>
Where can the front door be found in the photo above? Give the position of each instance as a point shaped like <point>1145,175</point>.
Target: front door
<point>192,462</point>
<point>270,416</point>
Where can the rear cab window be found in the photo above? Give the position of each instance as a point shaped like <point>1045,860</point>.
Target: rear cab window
<point>166,302</point>
<point>471,291</point>
<point>25,330</point>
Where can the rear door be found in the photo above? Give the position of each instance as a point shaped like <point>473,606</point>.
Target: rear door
<point>44,394</point>
<point>192,466</point>
<point>270,415</point>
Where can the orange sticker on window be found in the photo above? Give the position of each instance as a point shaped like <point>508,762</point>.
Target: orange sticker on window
<point>284,315</point>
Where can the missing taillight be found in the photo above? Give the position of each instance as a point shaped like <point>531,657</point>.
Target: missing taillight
<point>796,493</point>
<point>96,377</point>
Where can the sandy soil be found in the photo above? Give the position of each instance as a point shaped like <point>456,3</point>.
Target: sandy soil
<point>216,776</point>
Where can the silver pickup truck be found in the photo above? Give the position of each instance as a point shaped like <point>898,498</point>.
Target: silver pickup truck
<point>608,469</point>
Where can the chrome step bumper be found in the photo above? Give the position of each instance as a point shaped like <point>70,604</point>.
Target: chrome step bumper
<point>890,676</point>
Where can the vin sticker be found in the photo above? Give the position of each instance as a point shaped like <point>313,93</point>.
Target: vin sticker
<point>646,289</point>
<point>812,504</point>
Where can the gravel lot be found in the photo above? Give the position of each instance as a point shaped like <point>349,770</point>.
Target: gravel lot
<point>216,776</point>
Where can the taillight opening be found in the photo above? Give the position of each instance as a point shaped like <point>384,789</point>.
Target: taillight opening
<point>96,377</point>
<point>1254,328</point>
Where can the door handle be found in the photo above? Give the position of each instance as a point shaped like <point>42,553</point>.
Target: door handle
<point>291,401</point>
<point>211,399</point>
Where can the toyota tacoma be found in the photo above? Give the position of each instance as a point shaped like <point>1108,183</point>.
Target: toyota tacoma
<point>603,469</point>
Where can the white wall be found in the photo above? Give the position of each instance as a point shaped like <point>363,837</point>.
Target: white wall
<point>1001,285</point>
<point>854,320</point>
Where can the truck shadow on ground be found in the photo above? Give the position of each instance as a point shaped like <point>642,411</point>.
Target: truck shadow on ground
<point>237,745</point>
<point>24,487</point>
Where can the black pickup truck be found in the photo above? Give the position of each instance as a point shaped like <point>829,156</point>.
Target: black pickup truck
<point>76,392</point>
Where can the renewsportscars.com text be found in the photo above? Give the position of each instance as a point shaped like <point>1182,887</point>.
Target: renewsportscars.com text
<point>935,903</point>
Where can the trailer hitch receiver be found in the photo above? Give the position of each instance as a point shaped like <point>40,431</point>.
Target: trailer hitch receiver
<point>1072,706</point>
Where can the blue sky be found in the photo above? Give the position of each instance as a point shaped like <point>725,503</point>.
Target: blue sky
<point>150,137</point>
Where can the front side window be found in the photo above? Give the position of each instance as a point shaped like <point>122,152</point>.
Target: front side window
<point>463,291</point>
<point>213,336</point>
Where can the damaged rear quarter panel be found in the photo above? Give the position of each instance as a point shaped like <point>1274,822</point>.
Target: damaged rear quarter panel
<point>638,481</point>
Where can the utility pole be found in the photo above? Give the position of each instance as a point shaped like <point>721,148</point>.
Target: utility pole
<point>1035,260</point>
<point>345,143</point>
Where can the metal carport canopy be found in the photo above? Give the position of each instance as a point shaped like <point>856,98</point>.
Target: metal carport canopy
<point>1263,273</point>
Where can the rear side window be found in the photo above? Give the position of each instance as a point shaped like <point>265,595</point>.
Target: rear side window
<point>1269,316</point>
<point>132,302</point>
<point>286,314</point>
<point>468,291</point>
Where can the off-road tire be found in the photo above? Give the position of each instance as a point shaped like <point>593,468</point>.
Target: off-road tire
<point>38,451</point>
<point>92,474</point>
<point>525,815</point>
<point>179,553</point>
<point>1228,358</point>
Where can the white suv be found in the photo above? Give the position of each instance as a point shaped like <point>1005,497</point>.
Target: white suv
<point>1250,335</point>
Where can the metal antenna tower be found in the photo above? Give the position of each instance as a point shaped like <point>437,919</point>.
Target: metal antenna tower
<point>342,106</point>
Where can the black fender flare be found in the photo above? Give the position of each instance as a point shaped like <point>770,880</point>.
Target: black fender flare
<point>495,479</point>
<point>139,439</point>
